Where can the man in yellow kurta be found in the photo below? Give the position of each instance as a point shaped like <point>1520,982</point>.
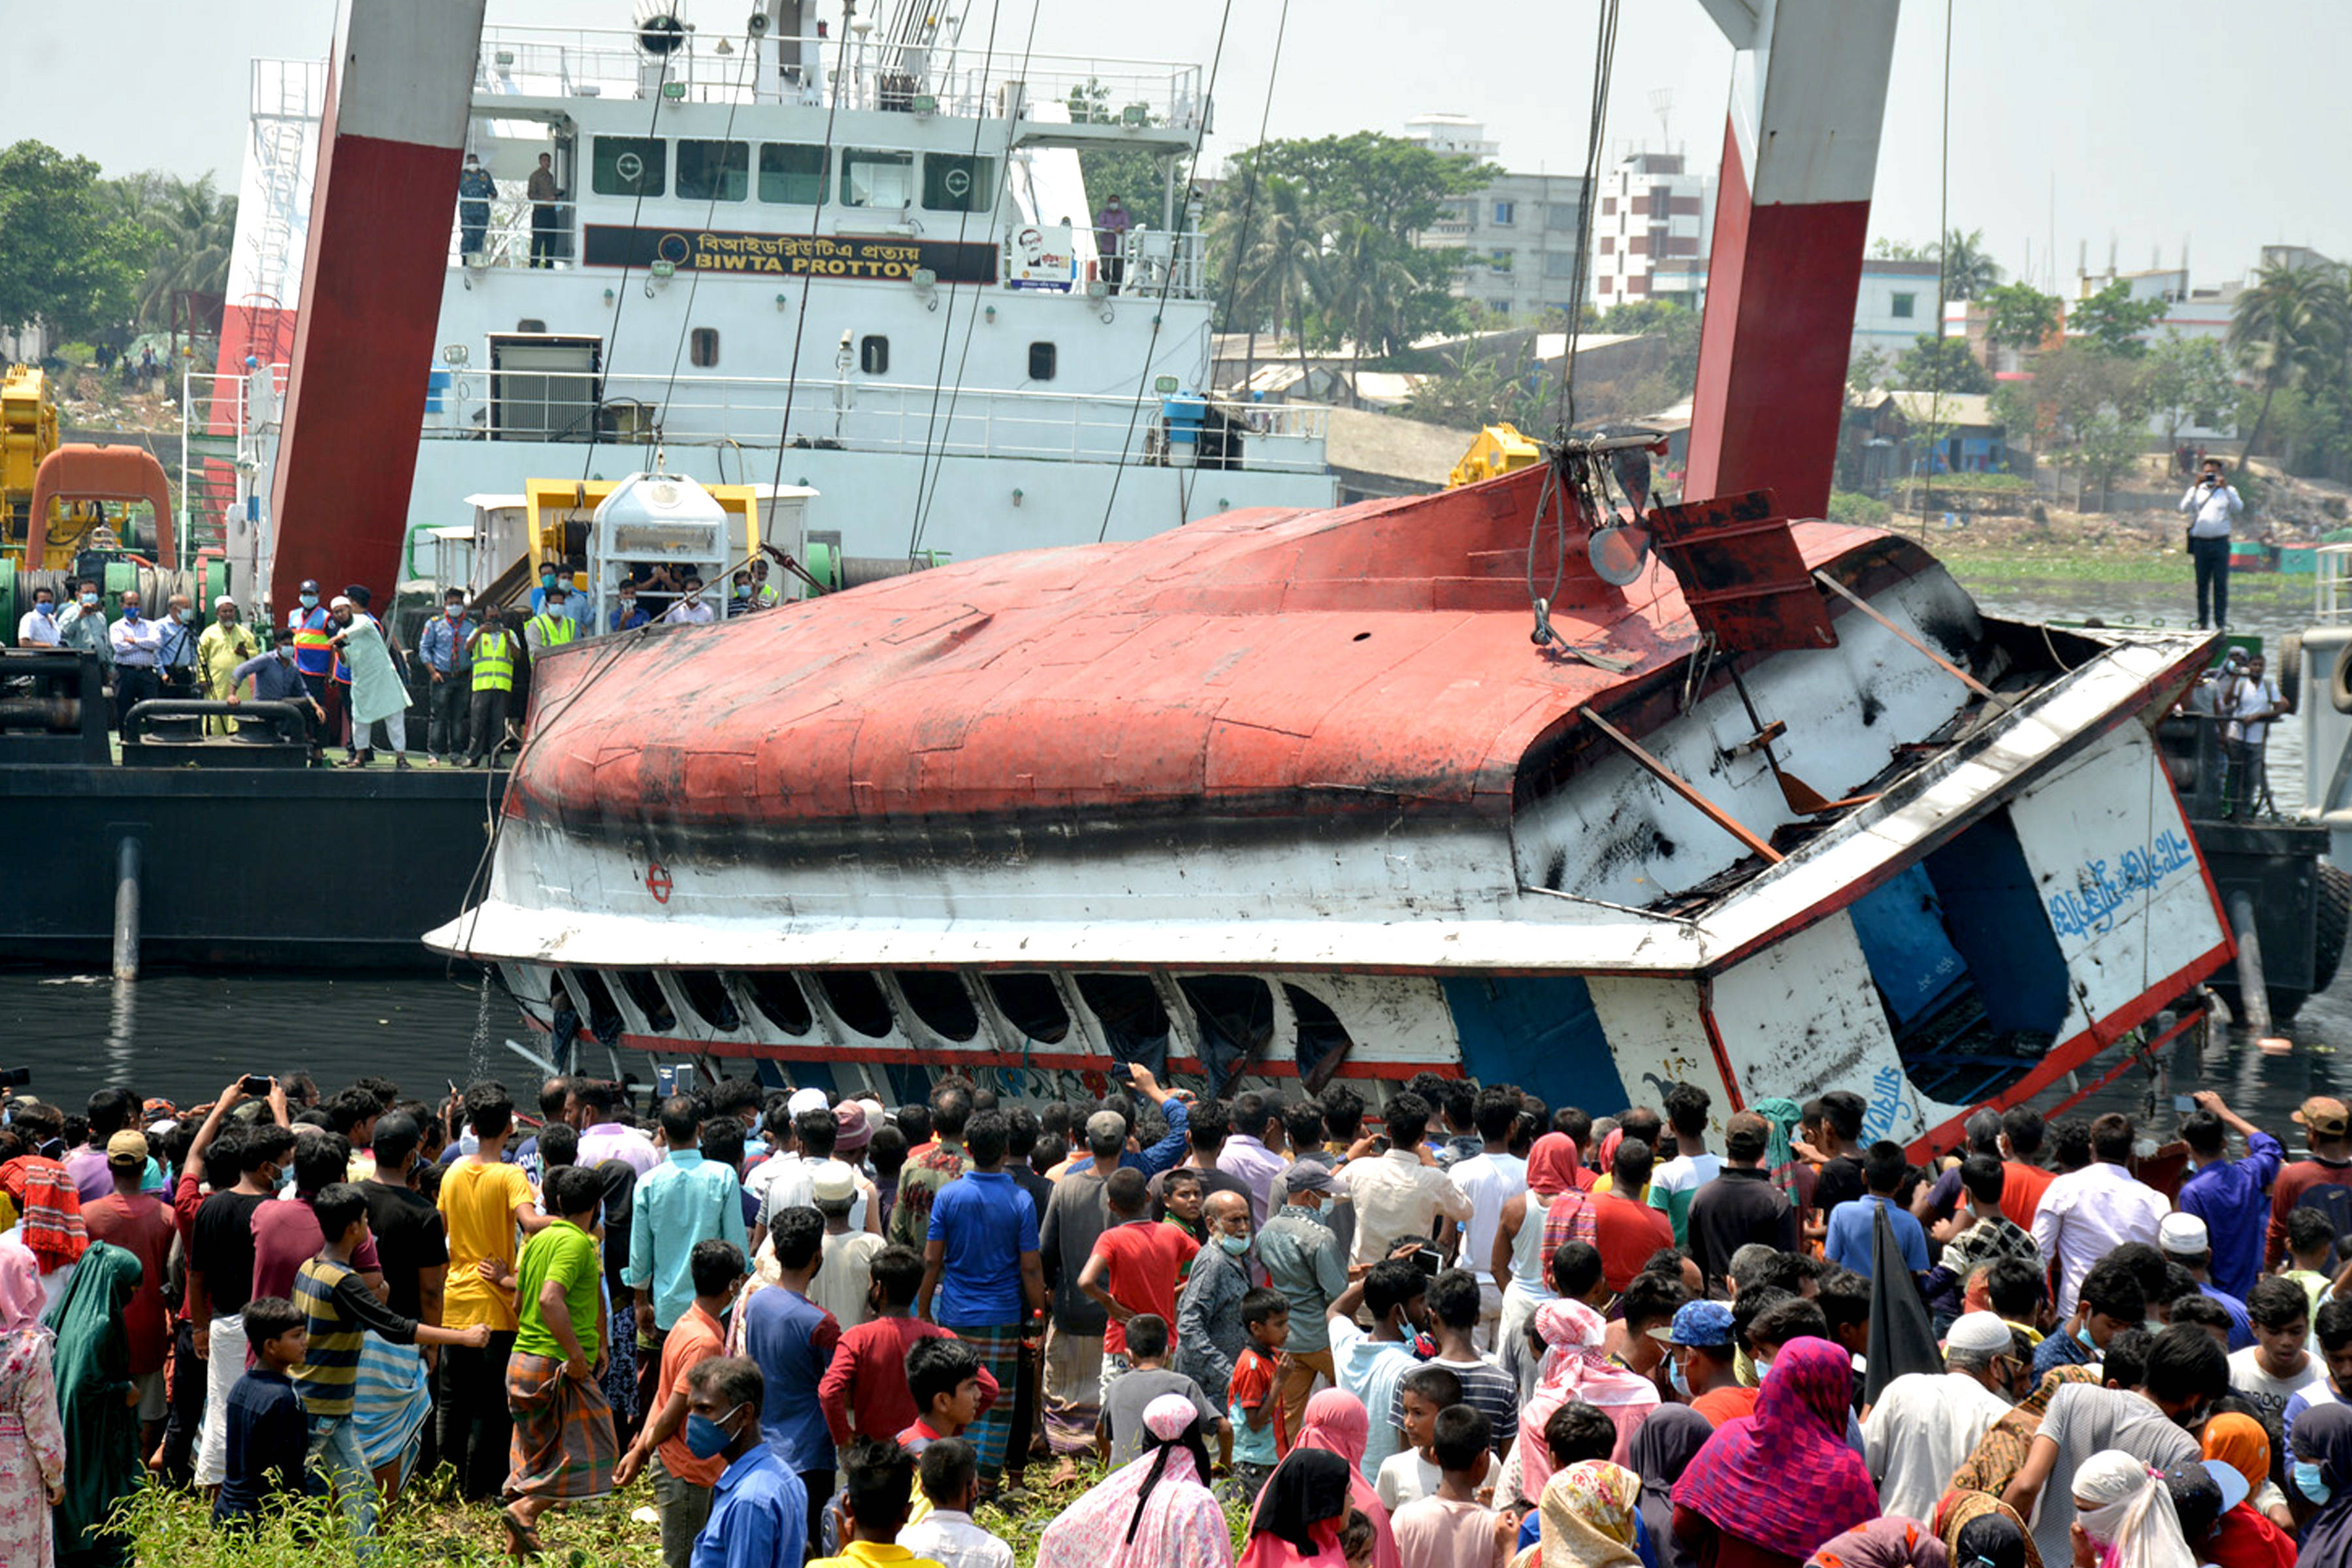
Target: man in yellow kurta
<point>226,643</point>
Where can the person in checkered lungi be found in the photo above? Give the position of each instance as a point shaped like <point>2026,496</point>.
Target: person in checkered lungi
<point>565,1447</point>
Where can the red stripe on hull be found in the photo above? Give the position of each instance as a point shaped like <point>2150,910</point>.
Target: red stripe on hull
<point>363,345</point>
<point>1780,291</point>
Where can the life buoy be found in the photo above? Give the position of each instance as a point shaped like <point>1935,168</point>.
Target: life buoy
<point>2339,683</point>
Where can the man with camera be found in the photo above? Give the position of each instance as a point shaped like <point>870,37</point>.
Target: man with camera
<point>2246,702</point>
<point>2212,503</point>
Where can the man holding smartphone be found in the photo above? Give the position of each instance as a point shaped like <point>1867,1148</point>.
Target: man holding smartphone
<point>2212,504</point>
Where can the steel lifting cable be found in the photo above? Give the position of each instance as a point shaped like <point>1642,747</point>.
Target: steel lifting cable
<point>1143,379</point>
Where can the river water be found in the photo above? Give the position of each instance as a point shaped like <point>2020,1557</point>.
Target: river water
<point>184,1035</point>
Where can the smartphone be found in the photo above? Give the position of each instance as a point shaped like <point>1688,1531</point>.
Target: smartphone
<point>665,1081</point>
<point>256,1083</point>
<point>2183,1104</point>
<point>1429,1260</point>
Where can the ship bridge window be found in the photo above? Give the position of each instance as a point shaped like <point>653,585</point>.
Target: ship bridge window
<point>793,175</point>
<point>870,178</point>
<point>1033,1005</point>
<point>779,998</point>
<point>1134,1024</point>
<point>702,347</point>
<point>939,1000</point>
<point>959,183</point>
<point>646,992</point>
<point>714,171</point>
<point>1233,1016</point>
<point>856,999</point>
<point>706,995</point>
<point>628,166</point>
<point>874,355</point>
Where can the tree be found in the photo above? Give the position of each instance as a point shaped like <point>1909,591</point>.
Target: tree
<point>1969,272</point>
<point>1901,250</point>
<point>2022,317</point>
<point>1275,266</point>
<point>67,258</point>
<point>2182,377</point>
<point>2290,325</point>
<point>192,229</point>
<point>1940,364</point>
<point>1866,370</point>
<point>2113,321</point>
<point>2087,407</point>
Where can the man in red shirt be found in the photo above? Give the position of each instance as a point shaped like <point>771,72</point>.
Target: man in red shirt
<point>864,1392</point>
<point>142,1226</point>
<point>2021,1180</point>
<point>286,1234</point>
<point>1628,1231</point>
<point>1135,1267</point>
<point>682,1483</point>
<point>2323,1181</point>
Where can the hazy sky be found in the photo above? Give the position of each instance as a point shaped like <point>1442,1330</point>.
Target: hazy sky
<point>2158,120</point>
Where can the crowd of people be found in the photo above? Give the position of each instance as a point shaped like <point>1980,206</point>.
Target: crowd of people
<point>1455,1329</point>
<point>341,677</point>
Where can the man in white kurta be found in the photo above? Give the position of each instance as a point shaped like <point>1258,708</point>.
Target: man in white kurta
<point>1927,1424</point>
<point>377,689</point>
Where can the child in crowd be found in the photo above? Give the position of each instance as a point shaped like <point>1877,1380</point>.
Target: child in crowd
<point>943,1374</point>
<point>1413,1473</point>
<point>948,1475</point>
<point>1260,1432</point>
<point>267,1437</point>
<point>1359,1542</point>
<point>1450,1528</point>
<point>2310,1244</point>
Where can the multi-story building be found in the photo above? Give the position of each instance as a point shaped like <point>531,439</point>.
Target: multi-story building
<point>1519,236</point>
<point>1650,229</point>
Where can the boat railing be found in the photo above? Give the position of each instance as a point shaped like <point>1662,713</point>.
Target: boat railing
<point>2331,585</point>
<point>476,403</point>
<point>866,74</point>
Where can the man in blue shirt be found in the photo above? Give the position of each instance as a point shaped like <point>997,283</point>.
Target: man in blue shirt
<point>981,1262</point>
<point>1851,1224</point>
<point>791,1339</point>
<point>2232,1196</point>
<point>626,616</point>
<point>442,649</point>
<point>683,1200</point>
<point>759,1509</point>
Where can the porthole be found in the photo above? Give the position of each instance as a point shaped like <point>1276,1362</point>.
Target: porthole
<point>646,992</point>
<point>856,999</point>
<point>939,1000</point>
<point>604,1015</point>
<point>1041,362</point>
<point>1033,1005</point>
<point>779,999</point>
<point>706,995</point>
<point>702,347</point>
<point>874,355</point>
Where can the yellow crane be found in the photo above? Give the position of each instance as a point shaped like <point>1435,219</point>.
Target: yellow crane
<point>1499,449</point>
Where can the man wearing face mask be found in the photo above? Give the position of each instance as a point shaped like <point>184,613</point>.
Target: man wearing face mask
<point>224,644</point>
<point>312,625</point>
<point>491,655</point>
<point>445,650</point>
<point>683,1476</point>
<point>759,1509</point>
<point>274,679</point>
<point>626,615</point>
<point>136,640</point>
<point>37,627</point>
<point>1208,1332</point>
<point>81,625</point>
<point>175,647</point>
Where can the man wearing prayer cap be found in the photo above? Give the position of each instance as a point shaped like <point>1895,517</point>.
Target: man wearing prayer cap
<point>1927,1424</point>
<point>2183,1239</point>
<point>225,643</point>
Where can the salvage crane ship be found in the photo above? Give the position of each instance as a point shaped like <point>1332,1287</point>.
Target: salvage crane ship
<point>1533,781</point>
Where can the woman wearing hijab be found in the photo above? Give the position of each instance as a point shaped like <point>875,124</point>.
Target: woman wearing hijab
<point>1296,1522</point>
<point>2001,1452</point>
<point>101,1432</point>
<point>32,1443</point>
<point>1979,1525</point>
<point>2124,1511</point>
<point>1768,1490</point>
<point>1586,1512</point>
<point>2322,1474</point>
<point>1889,1542</point>
<point>1661,1450</point>
<point>1576,1365</point>
<point>1517,1260</point>
<point>1335,1423</point>
<point>2242,1443</point>
<point>1155,1511</point>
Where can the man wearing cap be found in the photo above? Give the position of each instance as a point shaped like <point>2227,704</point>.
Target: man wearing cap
<point>2183,1239</point>
<point>1699,1357</point>
<point>143,1226</point>
<point>225,643</point>
<point>818,1135</point>
<point>847,1270</point>
<point>377,692</point>
<point>2232,1196</point>
<point>2323,1182</point>
<point>1304,1260</point>
<point>1927,1424</point>
<point>1740,1204</point>
<point>443,648</point>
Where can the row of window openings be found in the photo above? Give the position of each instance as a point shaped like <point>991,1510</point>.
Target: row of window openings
<point>793,175</point>
<point>1235,1008</point>
<point>1559,215</point>
<point>873,353</point>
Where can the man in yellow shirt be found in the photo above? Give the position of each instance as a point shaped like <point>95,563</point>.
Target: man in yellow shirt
<point>878,1483</point>
<point>227,644</point>
<point>484,1202</point>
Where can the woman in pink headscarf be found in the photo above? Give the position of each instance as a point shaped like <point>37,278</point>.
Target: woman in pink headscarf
<point>1154,1511</point>
<point>1336,1422</point>
<point>1517,1262</point>
<point>32,1439</point>
<point>1575,1366</point>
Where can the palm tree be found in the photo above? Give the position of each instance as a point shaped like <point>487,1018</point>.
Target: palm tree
<point>1365,288</point>
<point>191,229</point>
<point>2292,323</point>
<point>1969,269</point>
<point>1279,267</point>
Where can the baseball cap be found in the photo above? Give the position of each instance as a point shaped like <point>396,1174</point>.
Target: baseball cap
<point>851,1129</point>
<point>2324,1116</point>
<point>2234,1490</point>
<point>1106,1125</point>
<point>310,585</point>
<point>1698,1323</point>
<point>1980,1332</point>
<point>127,1149</point>
<point>1307,1176</point>
<point>835,1182</point>
<point>2182,1235</point>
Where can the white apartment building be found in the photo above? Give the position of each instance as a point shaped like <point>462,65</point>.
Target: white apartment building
<point>1650,229</point>
<point>1519,236</point>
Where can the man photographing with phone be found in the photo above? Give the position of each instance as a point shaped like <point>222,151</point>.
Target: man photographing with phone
<point>2212,504</point>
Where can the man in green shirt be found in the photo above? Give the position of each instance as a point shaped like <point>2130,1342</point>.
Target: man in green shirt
<point>565,1447</point>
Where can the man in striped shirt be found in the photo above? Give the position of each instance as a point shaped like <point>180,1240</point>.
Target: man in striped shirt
<point>339,1310</point>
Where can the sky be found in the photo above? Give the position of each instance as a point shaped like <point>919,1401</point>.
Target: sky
<point>2139,124</point>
